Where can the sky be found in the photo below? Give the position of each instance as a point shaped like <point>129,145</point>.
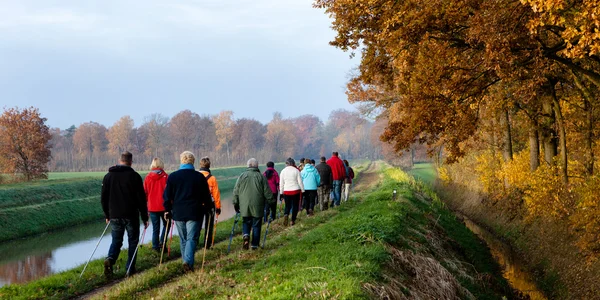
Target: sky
<point>98,60</point>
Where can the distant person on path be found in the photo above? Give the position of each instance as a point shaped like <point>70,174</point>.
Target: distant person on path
<point>123,202</point>
<point>301,165</point>
<point>154,186</point>
<point>310,180</point>
<point>290,184</point>
<point>273,180</point>
<point>187,197</point>
<point>348,181</point>
<point>339,174</point>
<point>251,194</point>
<point>324,188</point>
<point>213,186</point>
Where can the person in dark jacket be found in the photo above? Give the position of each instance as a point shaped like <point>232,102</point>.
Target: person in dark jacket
<point>251,194</point>
<point>154,185</point>
<point>348,181</point>
<point>273,180</point>
<point>324,188</point>
<point>187,198</point>
<point>123,202</point>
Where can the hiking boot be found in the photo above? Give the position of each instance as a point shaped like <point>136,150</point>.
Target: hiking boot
<point>285,220</point>
<point>187,268</point>
<point>108,267</point>
<point>311,212</point>
<point>293,222</point>
<point>254,248</point>
<point>246,242</point>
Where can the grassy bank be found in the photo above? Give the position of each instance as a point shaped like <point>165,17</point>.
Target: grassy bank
<point>370,248</point>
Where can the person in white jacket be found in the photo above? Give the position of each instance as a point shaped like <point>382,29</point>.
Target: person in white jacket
<point>291,186</point>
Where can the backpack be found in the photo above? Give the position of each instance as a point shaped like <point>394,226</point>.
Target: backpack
<point>351,173</point>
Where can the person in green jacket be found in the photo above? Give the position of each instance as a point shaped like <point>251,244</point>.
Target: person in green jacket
<point>250,195</point>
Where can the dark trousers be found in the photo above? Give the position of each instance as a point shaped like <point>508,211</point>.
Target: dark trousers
<point>209,226</point>
<point>271,209</point>
<point>119,226</point>
<point>292,200</point>
<point>252,224</point>
<point>158,236</point>
<point>310,197</point>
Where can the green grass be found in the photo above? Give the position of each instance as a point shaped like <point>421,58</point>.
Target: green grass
<point>425,172</point>
<point>332,255</point>
<point>338,254</point>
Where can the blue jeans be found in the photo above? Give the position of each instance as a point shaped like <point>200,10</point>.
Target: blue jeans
<point>156,217</point>
<point>119,226</point>
<point>337,192</point>
<point>189,232</point>
<point>254,224</point>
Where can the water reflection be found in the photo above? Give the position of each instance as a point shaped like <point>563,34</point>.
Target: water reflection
<point>33,258</point>
<point>512,267</point>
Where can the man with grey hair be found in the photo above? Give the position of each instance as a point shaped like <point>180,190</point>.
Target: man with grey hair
<point>250,195</point>
<point>187,198</point>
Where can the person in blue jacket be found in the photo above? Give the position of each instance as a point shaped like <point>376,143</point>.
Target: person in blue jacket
<point>310,179</point>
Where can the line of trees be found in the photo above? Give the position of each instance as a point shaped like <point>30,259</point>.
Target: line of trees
<point>228,141</point>
<point>518,79</point>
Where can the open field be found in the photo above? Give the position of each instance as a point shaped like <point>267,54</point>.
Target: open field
<point>370,247</point>
<point>68,199</point>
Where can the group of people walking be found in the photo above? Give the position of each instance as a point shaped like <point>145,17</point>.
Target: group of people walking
<point>192,198</point>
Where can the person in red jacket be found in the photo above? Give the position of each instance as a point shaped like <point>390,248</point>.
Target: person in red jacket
<point>154,186</point>
<point>338,171</point>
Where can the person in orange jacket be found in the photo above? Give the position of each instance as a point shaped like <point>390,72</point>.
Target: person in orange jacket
<point>154,186</point>
<point>216,195</point>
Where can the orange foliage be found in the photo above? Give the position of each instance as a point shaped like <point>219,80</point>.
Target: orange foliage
<point>24,143</point>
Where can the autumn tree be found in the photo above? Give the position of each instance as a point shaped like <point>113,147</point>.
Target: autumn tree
<point>24,143</point>
<point>224,130</point>
<point>90,142</point>
<point>280,140</point>
<point>309,129</point>
<point>247,139</point>
<point>120,135</point>
<point>156,127</point>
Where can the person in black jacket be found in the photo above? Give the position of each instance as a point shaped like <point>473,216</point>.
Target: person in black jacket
<point>324,188</point>
<point>124,202</point>
<point>187,197</point>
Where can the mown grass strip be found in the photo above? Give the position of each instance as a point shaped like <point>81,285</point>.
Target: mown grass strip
<point>48,216</point>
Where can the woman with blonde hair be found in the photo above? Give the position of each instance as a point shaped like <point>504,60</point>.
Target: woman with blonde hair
<point>154,186</point>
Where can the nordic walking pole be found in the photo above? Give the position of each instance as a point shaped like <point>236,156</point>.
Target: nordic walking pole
<point>171,239</point>
<point>205,245</point>
<point>232,231</point>
<point>215,230</point>
<point>266,232</point>
<point>134,253</point>
<point>97,244</point>
<point>164,242</point>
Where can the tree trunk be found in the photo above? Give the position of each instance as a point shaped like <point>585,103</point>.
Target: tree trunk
<point>534,149</point>
<point>507,149</point>
<point>562,137</point>
<point>589,130</point>
<point>548,132</point>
